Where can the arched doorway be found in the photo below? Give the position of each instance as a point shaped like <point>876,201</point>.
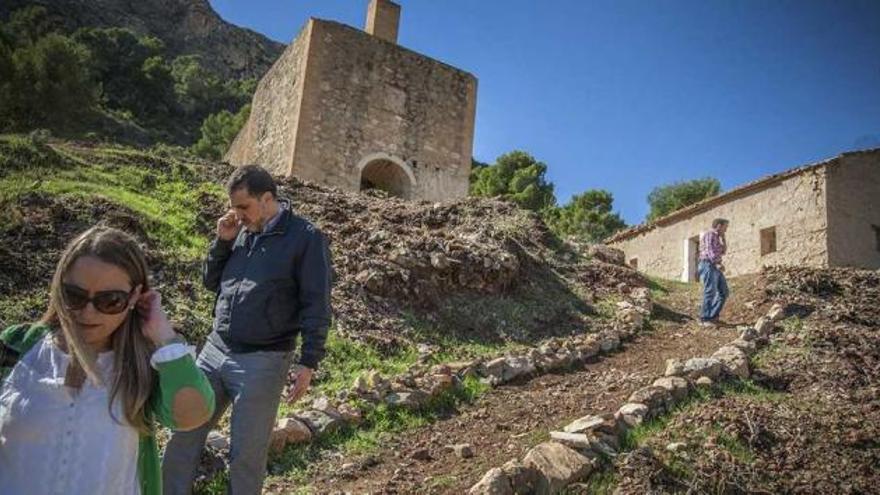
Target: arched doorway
<point>387,173</point>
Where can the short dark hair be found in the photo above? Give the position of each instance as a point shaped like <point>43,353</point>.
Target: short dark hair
<point>253,177</point>
<point>718,222</point>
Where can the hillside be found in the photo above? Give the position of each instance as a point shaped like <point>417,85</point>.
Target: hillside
<point>507,334</point>
<point>187,27</point>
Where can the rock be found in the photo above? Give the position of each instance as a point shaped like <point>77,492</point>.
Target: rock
<point>605,445</point>
<point>632,320</point>
<point>609,341</point>
<point>632,414</point>
<point>776,313</point>
<point>439,261</point>
<point>607,254</point>
<point>676,446</point>
<point>587,424</point>
<point>217,440</point>
<point>437,384</point>
<point>577,441</point>
<point>698,367</point>
<point>641,294</point>
<point>764,326</point>
<point>496,367</point>
<point>321,404</point>
<point>441,369</point>
<point>553,344</point>
<point>350,414</point>
<point>491,380</point>
<point>550,363</point>
<point>319,422</point>
<point>375,381</point>
<point>547,349</point>
<point>704,381</point>
<point>413,399</point>
<point>748,334</point>
<point>678,387</point>
<point>517,366</point>
<point>558,465</point>
<point>534,355</point>
<point>360,384</point>
<point>463,450</point>
<point>523,479</point>
<point>658,399</point>
<point>288,431</point>
<point>733,360</point>
<point>674,367</point>
<point>494,482</point>
<point>588,347</point>
<point>460,367</point>
<point>749,347</point>
<point>624,305</point>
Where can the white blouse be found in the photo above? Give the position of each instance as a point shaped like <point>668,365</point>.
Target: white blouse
<point>54,442</point>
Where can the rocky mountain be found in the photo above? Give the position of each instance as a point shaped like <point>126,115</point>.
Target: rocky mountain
<point>185,26</point>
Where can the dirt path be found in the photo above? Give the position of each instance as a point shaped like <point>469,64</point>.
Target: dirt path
<point>509,420</point>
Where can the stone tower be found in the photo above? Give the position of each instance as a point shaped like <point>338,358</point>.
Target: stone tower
<point>355,110</point>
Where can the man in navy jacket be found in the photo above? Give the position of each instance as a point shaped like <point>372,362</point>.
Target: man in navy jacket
<point>271,272</point>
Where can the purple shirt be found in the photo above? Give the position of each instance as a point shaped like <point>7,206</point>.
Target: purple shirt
<point>711,246</point>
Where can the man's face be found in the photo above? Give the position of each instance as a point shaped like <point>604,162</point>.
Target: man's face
<point>252,211</point>
<point>722,228</point>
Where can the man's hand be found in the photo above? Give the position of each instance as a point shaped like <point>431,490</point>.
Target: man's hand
<point>302,377</point>
<point>228,226</point>
<point>720,267</point>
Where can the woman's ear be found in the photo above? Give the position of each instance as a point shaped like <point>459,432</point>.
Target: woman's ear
<point>136,294</point>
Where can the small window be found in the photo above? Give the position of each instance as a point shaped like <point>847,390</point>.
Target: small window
<point>768,240</point>
<point>634,263</point>
<point>876,237</point>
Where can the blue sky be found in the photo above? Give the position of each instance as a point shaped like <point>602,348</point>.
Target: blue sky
<point>627,95</point>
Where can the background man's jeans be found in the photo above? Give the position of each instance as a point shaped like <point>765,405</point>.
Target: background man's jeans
<point>252,382</point>
<point>715,290</point>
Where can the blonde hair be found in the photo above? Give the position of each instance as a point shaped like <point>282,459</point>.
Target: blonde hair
<point>132,378</point>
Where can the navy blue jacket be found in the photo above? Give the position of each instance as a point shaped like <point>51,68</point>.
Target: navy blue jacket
<point>270,292</point>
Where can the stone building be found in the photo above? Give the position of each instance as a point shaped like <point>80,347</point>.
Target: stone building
<point>822,215</point>
<point>355,110</point>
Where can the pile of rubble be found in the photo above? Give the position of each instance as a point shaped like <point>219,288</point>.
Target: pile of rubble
<point>574,453</point>
<point>392,255</point>
<point>847,295</point>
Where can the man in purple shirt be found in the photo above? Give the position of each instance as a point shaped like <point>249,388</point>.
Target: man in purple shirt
<point>713,245</point>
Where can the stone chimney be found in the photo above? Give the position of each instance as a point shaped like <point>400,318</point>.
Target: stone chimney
<point>383,18</point>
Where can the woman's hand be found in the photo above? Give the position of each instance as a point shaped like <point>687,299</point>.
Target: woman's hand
<point>154,321</point>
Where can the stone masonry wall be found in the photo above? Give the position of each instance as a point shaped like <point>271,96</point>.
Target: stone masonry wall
<point>268,137</point>
<point>854,210</point>
<point>795,206</point>
<point>365,96</point>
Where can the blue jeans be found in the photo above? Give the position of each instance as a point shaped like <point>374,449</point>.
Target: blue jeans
<point>252,383</point>
<point>715,290</point>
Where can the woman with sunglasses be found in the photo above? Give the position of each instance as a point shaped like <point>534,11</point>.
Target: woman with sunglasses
<point>86,385</point>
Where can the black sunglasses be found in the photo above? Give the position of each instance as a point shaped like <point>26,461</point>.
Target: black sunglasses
<point>110,302</point>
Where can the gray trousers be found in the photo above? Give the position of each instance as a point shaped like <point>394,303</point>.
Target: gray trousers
<point>252,382</point>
